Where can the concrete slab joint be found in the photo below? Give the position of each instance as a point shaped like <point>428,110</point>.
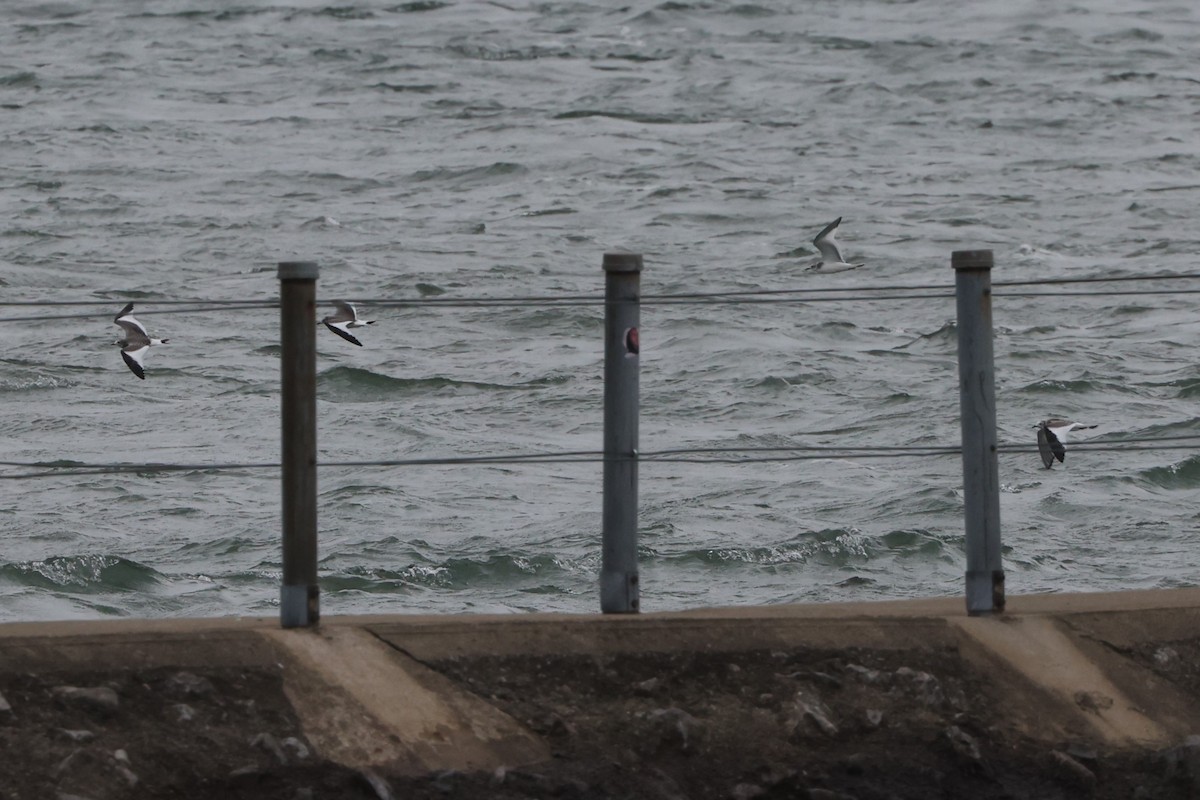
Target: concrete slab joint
<point>1038,649</point>
<point>364,704</point>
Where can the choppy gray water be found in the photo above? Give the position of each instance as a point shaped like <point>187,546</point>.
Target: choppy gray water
<point>163,150</point>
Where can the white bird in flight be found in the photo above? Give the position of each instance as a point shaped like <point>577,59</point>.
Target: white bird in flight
<point>136,341</point>
<point>831,255</point>
<point>345,319</point>
<point>1052,436</point>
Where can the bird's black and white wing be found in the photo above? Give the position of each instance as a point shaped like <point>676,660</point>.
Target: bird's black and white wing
<point>133,358</point>
<point>345,312</point>
<point>340,328</point>
<point>826,243</point>
<point>132,327</point>
<point>1049,447</point>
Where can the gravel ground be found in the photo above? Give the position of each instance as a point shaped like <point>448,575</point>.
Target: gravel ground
<point>803,723</point>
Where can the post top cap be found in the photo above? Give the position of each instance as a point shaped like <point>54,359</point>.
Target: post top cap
<point>298,270</point>
<point>622,261</point>
<point>972,259</point>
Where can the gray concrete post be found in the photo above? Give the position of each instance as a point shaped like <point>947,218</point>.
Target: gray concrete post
<point>619,592</point>
<point>977,404</point>
<point>299,602</point>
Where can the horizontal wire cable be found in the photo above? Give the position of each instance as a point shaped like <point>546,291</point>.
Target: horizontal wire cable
<point>1099,440</point>
<point>851,455</point>
<point>925,287</point>
<point>1010,448</point>
<point>50,469</point>
<point>147,301</point>
<point>713,455</point>
<point>1093,444</point>
<point>1150,443</point>
<point>518,300</point>
<point>140,313</point>
<point>865,293</point>
<point>1113,292</point>
<point>763,459</point>
<point>803,290</point>
<point>119,469</point>
<point>1117,279</point>
<point>817,448</point>
<point>599,298</point>
<point>580,456</point>
<point>666,301</point>
<point>549,303</point>
<point>274,464</point>
<point>764,296</point>
<point>768,297</point>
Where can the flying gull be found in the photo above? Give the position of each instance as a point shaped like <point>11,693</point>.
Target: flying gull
<point>1052,435</point>
<point>831,256</point>
<point>136,341</point>
<point>345,319</point>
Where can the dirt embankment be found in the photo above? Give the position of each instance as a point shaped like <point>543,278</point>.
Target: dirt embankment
<point>863,708</point>
<point>797,723</point>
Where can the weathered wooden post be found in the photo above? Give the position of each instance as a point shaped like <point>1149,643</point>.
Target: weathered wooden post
<point>977,404</point>
<point>299,602</point>
<point>622,313</point>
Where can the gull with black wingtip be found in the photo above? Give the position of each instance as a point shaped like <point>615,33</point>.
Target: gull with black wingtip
<point>136,341</point>
<point>1052,436</point>
<point>831,254</point>
<point>344,319</point>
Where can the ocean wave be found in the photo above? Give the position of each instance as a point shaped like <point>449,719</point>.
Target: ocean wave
<point>642,117</point>
<point>408,88</point>
<point>751,10</point>
<point>1187,387</point>
<point>915,542</point>
<point>378,580</point>
<point>1183,427</point>
<point>30,233</point>
<point>416,6</point>
<point>472,176</point>
<point>555,320</point>
<point>84,573</point>
<point>490,51</point>
<point>1183,475</point>
<point>357,385</point>
<point>226,15</point>
<point>30,381</point>
<point>1079,386</point>
<point>833,547</point>
<point>15,80</point>
<point>837,546</point>
<point>516,570</point>
<point>943,339</point>
<point>787,383</point>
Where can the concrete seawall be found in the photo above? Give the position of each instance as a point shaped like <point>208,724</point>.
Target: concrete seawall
<point>370,693</point>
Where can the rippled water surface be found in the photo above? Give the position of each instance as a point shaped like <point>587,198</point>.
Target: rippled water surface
<point>164,150</point>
